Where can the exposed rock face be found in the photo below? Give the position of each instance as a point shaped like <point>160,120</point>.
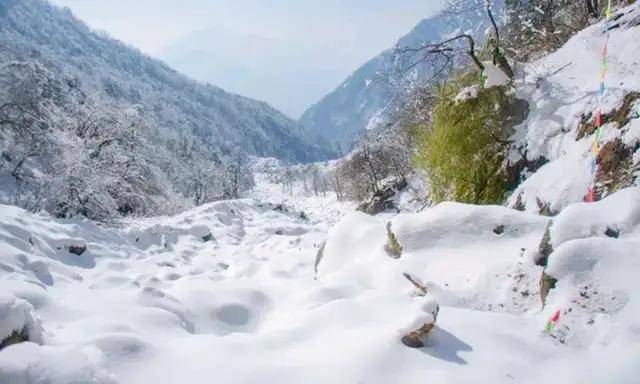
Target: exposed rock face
<point>615,171</point>
<point>620,116</point>
<point>515,170</point>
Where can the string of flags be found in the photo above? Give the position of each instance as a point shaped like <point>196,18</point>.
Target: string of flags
<point>553,321</point>
<point>595,149</point>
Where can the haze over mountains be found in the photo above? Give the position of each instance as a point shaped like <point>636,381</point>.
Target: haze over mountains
<point>371,96</point>
<point>84,101</point>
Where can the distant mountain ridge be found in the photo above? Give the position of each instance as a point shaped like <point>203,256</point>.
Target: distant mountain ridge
<point>373,94</point>
<point>127,75</point>
<point>91,126</point>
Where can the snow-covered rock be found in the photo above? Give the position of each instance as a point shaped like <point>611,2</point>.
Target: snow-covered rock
<point>17,316</point>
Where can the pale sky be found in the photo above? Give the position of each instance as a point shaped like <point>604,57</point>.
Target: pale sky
<point>289,53</point>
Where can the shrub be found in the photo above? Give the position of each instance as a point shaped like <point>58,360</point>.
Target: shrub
<point>462,150</point>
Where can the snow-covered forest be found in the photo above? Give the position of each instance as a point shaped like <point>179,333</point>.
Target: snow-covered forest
<point>464,208</point>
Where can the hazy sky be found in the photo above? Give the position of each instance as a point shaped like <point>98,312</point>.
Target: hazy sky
<point>289,53</point>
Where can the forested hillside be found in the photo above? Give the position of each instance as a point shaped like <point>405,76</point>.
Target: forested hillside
<point>92,126</point>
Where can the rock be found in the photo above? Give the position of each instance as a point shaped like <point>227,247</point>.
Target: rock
<point>380,200</point>
<point>426,322</point>
<point>620,116</point>
<point>544,208</point>
<point>519,204</point>
<point>499,229</point>
<point>415,339</point>
<point>547,283</point>
<point>612,233</point>
<point>545,248</point>
<point>208,237</point>
<point>615,167</point>
<point>77,249</point>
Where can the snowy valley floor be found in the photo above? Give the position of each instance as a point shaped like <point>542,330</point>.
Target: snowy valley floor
<point>228,293</point>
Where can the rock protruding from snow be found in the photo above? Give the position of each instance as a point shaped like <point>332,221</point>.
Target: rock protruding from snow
<point>418,329</point>
<point>18,321</point>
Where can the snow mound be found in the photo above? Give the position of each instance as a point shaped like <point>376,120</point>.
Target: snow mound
<point>596,263</point>
<point>468,256</point>
<point>619,214</point>
<point>357,239</point>
<point>29,363</point>
<point>16,316</point>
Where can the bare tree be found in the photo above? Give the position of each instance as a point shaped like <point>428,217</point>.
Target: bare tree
<point>440,55</point>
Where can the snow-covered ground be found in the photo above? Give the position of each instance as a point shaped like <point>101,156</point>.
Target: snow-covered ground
<point>563,87</point>
<point>228,292</point>
<point>288,288</point>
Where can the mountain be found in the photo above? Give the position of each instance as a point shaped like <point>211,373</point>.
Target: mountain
<point>258,65</point>
<point>76,104</point>
<point>372,95</point>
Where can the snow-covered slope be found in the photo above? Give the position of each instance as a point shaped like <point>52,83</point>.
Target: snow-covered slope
<point>229,292</point>
<point>82,112</point>
<point>562,90</point>
<point>372,95</point>
<point>34,29</point>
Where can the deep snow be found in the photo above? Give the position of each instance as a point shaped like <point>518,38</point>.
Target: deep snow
<point>150,301</point>
<point>237,291</point>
